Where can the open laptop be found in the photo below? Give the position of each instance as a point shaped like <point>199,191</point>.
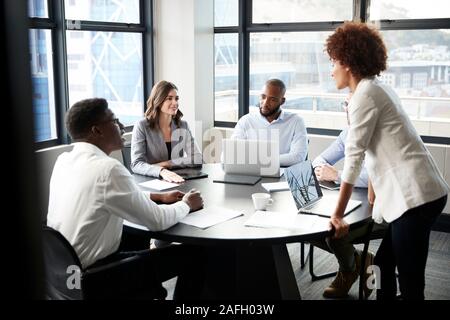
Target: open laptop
<point>307,194</point>
<point>251,157</point>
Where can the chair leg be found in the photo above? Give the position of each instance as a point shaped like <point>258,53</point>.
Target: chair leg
<point>315,277</point>
<point>362,270</point>
<point>303,257</point>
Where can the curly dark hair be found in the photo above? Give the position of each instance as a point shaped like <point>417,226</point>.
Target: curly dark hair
<point>154,103</point>
<point>83,115</point>
<point>358,46</point>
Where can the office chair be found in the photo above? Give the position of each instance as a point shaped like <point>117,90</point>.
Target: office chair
<point>126,155</point>
<point>60,260</point>
<point>373,232</point>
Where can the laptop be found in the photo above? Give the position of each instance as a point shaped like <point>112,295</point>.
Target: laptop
<point>251,157</point>
<point>307,194</point>
<point>190,173</point>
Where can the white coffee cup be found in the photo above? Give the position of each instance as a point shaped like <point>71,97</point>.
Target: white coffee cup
<point>261,200</point>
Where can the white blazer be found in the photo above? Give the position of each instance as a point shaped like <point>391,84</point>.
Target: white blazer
<point>403,172</point>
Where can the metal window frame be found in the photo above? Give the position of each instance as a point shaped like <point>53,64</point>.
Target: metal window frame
<point>57,23</point>
<point>360,13</point>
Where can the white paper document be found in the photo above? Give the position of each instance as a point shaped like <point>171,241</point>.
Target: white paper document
<point>290,220</point>
<point>158,185</point>
<point>210,216</point>
<point>275,186</point>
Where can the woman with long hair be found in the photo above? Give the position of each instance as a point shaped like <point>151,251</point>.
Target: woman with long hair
<point>162,140</point>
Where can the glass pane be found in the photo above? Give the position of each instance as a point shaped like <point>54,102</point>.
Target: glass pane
<point>226,104</point>
<point>103,10</point>
<point>419,71</point>
<point>226,13</point>
<point>277,11</point>
<point>407,9</point>
<point>37,9</point>
<point>107,65</point>
<point>299,60</point>
<point>43,84</point>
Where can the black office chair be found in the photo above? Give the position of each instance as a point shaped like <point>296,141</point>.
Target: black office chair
<point>126,155</point>
<point>61,260</point>
<point>373,232</point>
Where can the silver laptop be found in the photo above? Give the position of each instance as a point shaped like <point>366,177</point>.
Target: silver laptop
<point>307,194</point>
<point>251,157</point>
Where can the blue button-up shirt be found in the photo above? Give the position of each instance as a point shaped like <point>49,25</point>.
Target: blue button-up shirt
<point>336,152</point>
<point>289,127</point>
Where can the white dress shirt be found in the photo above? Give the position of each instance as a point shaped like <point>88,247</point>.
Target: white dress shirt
<point>291,129</point>
<point>90,195</point>
<point>336,152</point>
<point>403,172</point>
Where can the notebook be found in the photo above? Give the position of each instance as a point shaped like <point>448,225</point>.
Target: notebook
<point>275,186</point>
<point>237,179</point>
<point>329,185</point>
<point>189,173</point>
<point>307,194</point>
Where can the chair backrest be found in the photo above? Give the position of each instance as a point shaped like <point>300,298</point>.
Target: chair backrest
<point>126,154</point>
<point>60,262</point>
<point>46,159</point>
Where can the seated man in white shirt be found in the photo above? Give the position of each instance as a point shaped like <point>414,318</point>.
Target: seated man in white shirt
<point>91,194</point>
<point>271,122</point>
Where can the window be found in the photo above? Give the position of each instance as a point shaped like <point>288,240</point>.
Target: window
<point>43,84</point>
<point>100,58</point>
<point>103,10</point>
<point>298,59</point>
<point>99,54</point>
<point>286,39</point>
<point>37,8</point>
<point>226,85</point>
<point>286,11</point>
<point>419,58</point>
<point>406,9</point>
<point>226,13</point>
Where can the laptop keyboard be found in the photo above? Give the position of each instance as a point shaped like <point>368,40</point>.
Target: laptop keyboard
<point>312,206</point>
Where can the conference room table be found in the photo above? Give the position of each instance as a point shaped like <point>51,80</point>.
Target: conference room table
<point>249,262</point>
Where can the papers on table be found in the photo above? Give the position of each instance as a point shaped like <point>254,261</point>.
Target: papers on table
<point>290,220</point>
<point>158,184</point>
<point>275,186</point>
<point>210,216</point>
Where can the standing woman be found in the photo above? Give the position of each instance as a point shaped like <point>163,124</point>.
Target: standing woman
<point>162,140</point>
<point>410,192</point>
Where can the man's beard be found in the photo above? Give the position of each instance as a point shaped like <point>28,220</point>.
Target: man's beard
<point>275,111</point>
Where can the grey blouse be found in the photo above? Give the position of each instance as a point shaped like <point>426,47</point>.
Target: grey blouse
<point>148,147</point>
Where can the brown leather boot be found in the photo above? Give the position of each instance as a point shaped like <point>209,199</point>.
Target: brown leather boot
<point>368,262</point>
<point>344,280</point>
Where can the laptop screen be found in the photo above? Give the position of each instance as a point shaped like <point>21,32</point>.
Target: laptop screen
<point>303,183</point>
<point>251,157</point>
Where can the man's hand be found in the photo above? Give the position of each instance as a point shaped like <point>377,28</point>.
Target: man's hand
<point>340,227</point>
<point>170,176</point>
<point>172,196</point>
<point>326,173</point>
<point>193,199</point>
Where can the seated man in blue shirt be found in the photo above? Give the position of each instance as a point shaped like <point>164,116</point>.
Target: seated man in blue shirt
<point>324,163</point>
<point>348,257</point>
<point>271,122</point>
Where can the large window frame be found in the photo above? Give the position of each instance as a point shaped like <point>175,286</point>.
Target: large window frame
<point>58,25</point>
<point>360,13</point>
